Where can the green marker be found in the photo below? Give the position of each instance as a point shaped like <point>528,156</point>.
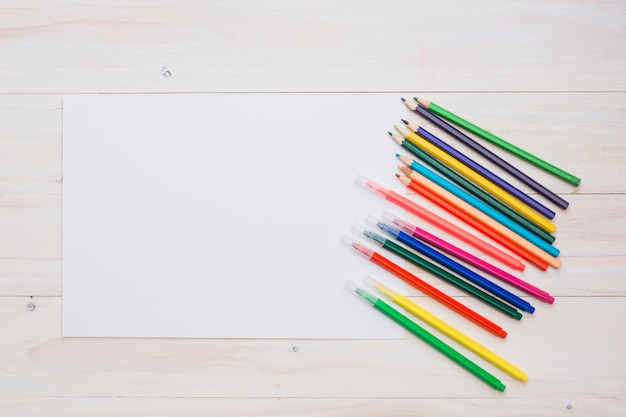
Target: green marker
<point>453,118</point>
<point>424,335</point>
<point>438,271</point>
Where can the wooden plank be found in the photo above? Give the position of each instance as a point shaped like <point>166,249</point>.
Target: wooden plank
<point>566,354</point>
<point>590,236</point>
<point>31,145</point>
<point>58,47</point>
<point>547,76</point>
<point>307,407</point>
<point>31,150</point>
<point>31,185</point>
<point>563,129</point>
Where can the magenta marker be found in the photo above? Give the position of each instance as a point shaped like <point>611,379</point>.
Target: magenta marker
<point>467,257</point>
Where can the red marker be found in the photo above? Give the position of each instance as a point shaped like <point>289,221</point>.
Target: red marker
<point>440,222</point>
<point>424,287</point>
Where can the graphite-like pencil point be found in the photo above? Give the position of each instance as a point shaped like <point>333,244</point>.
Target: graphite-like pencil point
<point>390,134</point>
<point>406,122</point>
<point>402,98</point>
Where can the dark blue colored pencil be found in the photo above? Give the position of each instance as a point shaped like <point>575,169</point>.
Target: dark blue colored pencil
<point>509,188</point>
<point>478,148</point>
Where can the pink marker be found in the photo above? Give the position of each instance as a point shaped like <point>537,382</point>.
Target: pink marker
<point>440,222</point>
<point>467,257</point>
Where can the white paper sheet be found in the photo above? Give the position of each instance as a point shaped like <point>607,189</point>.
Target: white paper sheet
<point>220,215</point>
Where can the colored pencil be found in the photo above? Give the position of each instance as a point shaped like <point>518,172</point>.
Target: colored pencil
<point>476,224</point>
<point>506,186</point>
<point>478,179</point>
<point>413,166</point>
<point>466,213</point>
<point>471,188</point>
<point>521,153</point>
<point>494,158</point>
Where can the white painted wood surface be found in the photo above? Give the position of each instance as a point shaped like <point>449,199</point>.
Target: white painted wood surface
<point>548,76</point>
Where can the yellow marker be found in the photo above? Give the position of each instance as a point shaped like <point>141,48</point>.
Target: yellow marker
<point>475,177</point>
<point>446,329</point>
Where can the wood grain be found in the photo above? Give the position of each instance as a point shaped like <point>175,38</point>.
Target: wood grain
<point>557,354</point>
<point>547,76</point>
<point>306,407</point>
<point>98,46</point>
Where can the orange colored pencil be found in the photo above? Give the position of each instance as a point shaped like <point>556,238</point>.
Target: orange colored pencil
<point>481,217</point>
<point>415,186</point>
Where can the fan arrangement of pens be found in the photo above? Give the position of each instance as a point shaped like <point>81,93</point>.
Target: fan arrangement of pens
<point>480,199</point>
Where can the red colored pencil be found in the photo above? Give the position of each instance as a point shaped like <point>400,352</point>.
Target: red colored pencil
<point>473,222</point>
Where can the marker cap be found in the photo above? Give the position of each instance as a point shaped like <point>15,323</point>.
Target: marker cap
<point>398,223</point>
<point>359,292</point>
<point>357,247</point>
<point>372,236</point>
<point>368,184</point>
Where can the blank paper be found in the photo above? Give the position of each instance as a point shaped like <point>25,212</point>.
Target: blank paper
<point>220,215</point>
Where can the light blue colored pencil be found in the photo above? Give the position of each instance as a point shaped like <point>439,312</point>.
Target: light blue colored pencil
<point>476,203</point>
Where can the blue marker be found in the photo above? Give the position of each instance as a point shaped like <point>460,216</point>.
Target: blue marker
<point>465,272</point>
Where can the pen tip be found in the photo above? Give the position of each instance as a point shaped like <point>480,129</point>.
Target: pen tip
<point>406,122</point>
<point>402,98</point>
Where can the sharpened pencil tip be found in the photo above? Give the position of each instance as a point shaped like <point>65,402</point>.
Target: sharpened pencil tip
<point>406,122</point>
<point>415,98</point>
<point>397,155</point>
<point>402,98</point>
<point>390,134</point>
<point>397,175</point>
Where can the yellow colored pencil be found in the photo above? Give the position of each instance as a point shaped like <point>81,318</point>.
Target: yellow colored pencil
<point>446,329</point>
<point>481,217</point>
<point>478,179</point>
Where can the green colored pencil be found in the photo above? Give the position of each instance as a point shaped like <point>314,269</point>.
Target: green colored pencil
<point>453,118</point>
<point>471,188</point>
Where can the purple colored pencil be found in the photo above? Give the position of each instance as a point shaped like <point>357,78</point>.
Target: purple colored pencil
<point>478,148</point>
<point>511,189</point>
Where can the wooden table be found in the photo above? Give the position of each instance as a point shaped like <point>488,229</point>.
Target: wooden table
<point>548,76</point>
